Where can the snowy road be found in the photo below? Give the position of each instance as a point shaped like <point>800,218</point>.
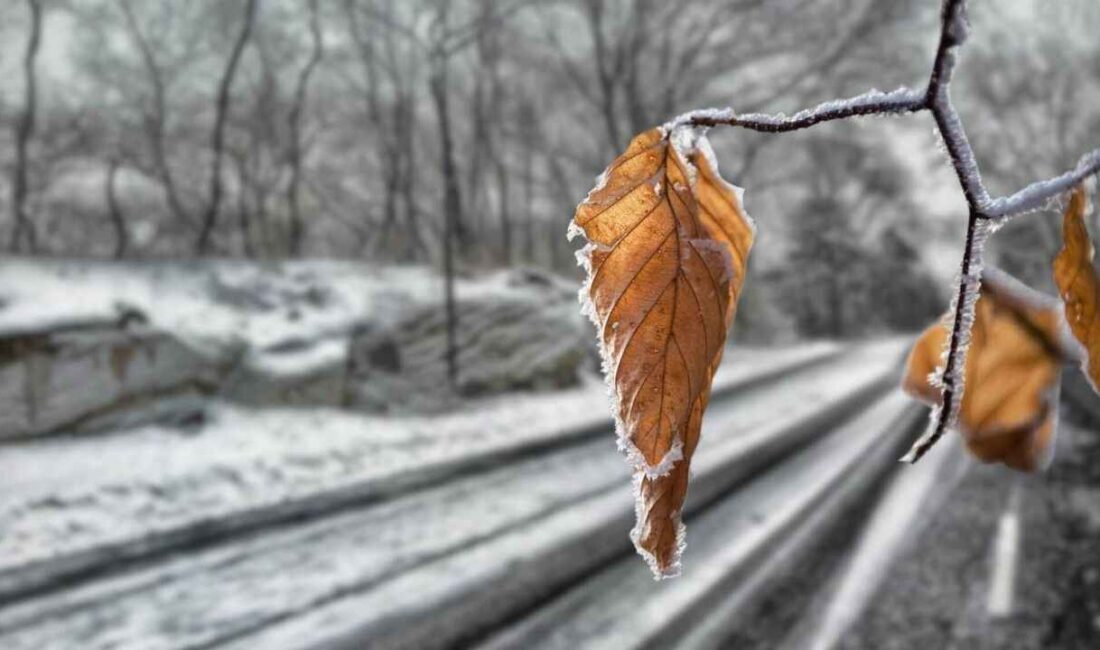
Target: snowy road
<point>73,505</point>
<point>367,569</point>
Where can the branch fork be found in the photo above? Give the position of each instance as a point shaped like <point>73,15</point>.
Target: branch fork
<point>986,214</point>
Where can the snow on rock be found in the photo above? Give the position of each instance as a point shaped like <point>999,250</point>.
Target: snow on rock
<point>82,340</point>
<point>79,377</point>
<point>514,338</point>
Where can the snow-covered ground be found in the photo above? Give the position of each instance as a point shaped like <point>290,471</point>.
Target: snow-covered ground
<point>497,521</point>
<point>277,523</point>
<point>222,301</point>
<point>88,345</point>
<point>76,493</point>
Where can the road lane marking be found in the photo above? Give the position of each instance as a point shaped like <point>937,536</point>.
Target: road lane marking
<point>1005,555</point>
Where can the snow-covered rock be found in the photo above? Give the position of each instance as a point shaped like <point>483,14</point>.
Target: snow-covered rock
<point>86,375</point>
<point>104,344</point>
<point>526,335</point>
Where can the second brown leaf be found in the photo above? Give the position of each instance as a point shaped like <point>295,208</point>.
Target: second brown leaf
<point>1075,275</point>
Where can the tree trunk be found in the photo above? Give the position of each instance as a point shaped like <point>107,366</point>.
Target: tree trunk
<point>293,191</point>
<point>244,221</point>
<point>24,229</point>
<point>452,198</point>
<point>415,241</point>
<point>529,131</point>
<point>155,123</point>
<point>114,208</point>
<point>505,217</point>
<point>217,140</point>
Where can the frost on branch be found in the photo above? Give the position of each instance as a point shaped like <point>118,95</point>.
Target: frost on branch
<point>1016,347</point>
<point>665,260</point>
<point>1040,194</point>
<point>950,376</point>
<point>666,254</point>
<point>873,102</point>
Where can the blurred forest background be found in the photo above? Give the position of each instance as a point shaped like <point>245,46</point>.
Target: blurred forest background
<point>378,130</point>
<point>291,355</point>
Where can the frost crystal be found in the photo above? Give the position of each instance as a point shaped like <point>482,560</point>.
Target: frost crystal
<point>683,139</point>
<point>588,309</point>
<point>636,534</point>
<point>969,290</point>
<point>572,231</point>
<point>686,142</point>
<point>1038,196</point>
<point>893,101</point>
<point>702,145</point>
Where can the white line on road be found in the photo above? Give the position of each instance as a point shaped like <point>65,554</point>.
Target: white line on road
<point>913,494</point>
<point>1005,554</point>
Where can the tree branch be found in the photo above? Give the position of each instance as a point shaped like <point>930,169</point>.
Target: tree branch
<point>985,214</point>
<point>1038,194</point>
<point>902,100</point>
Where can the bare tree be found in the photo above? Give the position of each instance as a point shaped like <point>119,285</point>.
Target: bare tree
<point>155,118</point>
<point>114,209</point>
<point>452,198</point>
<point>528,129</point>
<point>390,71</point>
<point>24,231</point>
<point>210,216</point>
<point>259,159</point>
<point>294,154</point>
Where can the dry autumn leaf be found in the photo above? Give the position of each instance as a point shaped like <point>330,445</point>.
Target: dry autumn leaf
<point>1010,408</point>
<point>1075,276</point>
<point>666,260</point>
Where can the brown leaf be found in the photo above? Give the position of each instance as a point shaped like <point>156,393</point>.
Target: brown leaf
<point>1075,275</point>
<point>1010,406</point>
<point>666,260</point>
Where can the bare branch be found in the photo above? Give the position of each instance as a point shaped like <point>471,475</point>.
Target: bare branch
<point>985,214</point>
<point>902,100</point>
<point>1038,194</point>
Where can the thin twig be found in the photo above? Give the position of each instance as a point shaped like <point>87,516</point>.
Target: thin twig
<point>985,214</point>
<point>902,100</point>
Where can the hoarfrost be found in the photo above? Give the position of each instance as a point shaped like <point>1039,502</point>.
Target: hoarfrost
<point>896,100</point>
<point>607,368</point>
<point>704,147</point>
<point>685,141</point>
<point>637,459</point>
<point>969,290</point>
<point>573,230</point>
<point>636,533</point>
<point>682,140</point>
<point>1038,196</point>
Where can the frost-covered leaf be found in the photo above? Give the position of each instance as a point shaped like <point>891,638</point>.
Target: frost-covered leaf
<point>1010,409</point>
<point>666,258</point>
<point>1075,275</point>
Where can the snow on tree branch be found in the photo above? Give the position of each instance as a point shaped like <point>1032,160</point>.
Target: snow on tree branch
<point>1040,193</point>
<point>985,214</point>
<point>874,102</point>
